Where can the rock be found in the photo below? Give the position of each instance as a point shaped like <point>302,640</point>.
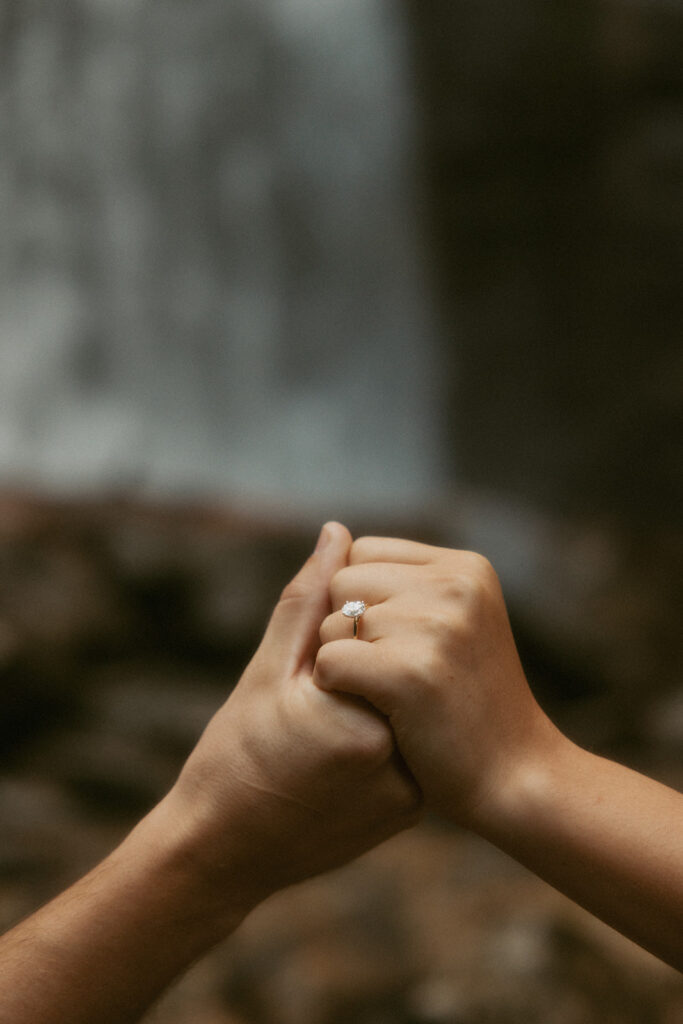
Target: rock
<point>100,707</point>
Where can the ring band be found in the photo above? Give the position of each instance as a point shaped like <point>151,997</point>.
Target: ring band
<point>354,610</point>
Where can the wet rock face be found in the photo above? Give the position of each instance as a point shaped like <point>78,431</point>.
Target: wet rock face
<point>553,148</point>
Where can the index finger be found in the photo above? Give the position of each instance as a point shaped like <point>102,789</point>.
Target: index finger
<point>391,549</point>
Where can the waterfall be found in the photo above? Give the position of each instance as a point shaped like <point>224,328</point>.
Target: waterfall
<point>210,275</point>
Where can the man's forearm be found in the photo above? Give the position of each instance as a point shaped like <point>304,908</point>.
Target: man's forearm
<point>286,782</point>
<point>106,948</point>
<point>606,836</point>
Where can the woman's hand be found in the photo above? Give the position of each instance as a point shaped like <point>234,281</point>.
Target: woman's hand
<point>435,654</point>
<point>437,657</point>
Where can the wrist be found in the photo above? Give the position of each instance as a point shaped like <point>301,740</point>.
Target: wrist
<point>205,872</point>
<point>525,785</point>
<point>133,924</point>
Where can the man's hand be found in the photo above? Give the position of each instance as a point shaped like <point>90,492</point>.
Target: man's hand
<point>437,657</point>
<point>289,781</point>
<point>286,782</point>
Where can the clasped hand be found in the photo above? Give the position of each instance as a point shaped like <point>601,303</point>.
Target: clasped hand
<point>289,780</point>
<point>328,744</point>
<point>331,744</point>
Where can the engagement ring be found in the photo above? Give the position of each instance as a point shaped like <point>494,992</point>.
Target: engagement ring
<point>354,610</point>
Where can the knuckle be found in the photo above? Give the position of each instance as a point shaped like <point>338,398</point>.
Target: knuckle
<point>295,590</point>
<point>374,744</point>
<point>446,629</point>
<point>443,622</point>
<point>340,583</point>
<point>463,593</point>
<point>417,674</point>
<point>326,632</point>
<point>435,672</point>
<point>422,672</point>
<point>470,564</point>
<point>368,746</point>
<point>479,571</point>
<point>361,549</point>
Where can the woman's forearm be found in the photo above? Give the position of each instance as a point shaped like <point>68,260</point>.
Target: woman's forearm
<point>439,659</point>
<point>606,836</point>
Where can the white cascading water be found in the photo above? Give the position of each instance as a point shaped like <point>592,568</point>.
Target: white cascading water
<point>209,267</point>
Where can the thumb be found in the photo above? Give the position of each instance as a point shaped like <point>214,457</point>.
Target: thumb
<point>292,633</point>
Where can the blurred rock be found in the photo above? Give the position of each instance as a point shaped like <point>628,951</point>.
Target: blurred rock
<point>595,606</point>
<point>110,775</point>
<point>161,606</point>
<point>436,927</point>
<point>34,812</point>
<point>160,707</point>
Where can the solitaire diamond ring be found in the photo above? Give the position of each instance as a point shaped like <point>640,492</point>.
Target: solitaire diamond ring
<point>354,610</point>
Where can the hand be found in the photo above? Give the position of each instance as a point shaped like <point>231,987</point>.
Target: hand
<point>290,780</point>
<point>286,781</point>
<point>436,655</point>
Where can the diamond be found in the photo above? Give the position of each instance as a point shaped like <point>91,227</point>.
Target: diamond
<point>353,609</point>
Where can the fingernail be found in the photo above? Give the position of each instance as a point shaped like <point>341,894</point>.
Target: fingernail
<point>323,539</point>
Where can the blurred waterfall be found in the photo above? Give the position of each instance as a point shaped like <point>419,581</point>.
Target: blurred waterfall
<point>209,273</point>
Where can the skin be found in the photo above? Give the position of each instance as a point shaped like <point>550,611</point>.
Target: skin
<point>286,782</point>
<point>436,656</point>
<point>299,772</point>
